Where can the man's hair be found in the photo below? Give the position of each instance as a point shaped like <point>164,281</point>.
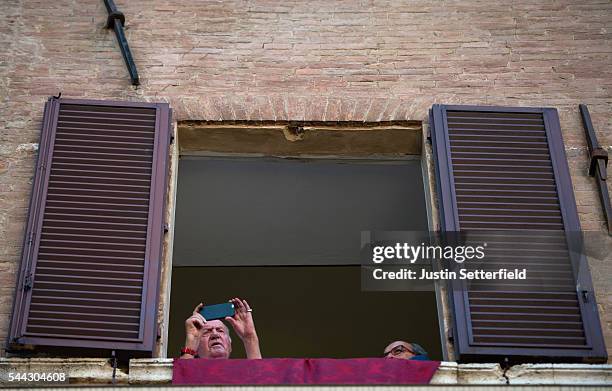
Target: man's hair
<point>418,349</point>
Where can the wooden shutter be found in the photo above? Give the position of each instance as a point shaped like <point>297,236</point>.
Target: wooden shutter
<point>91,259</point>
<point>505,170</point>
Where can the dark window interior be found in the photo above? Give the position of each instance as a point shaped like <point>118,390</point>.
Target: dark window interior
<point>285,235</point>
<point>308,311</point>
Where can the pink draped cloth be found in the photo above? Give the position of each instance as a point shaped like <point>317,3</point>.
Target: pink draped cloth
<point>302,371</point>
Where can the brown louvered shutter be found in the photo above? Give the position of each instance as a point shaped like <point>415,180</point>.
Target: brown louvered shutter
<point>91,259</point>
<point>502,173</point>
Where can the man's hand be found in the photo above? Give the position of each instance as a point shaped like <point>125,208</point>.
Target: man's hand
<point>242,321</point>
<point>193,328</point>
<point>243,325</point>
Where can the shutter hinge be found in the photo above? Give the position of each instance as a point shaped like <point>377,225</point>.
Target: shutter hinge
<point>599,161</point>
<point>113,361</point>
<point>27,283</point>
<point>171,136</point>
<point>585,296</point>
<point>30,238</point>
<point>450,336</point>
<point>166,228</point>
<point>505,364</point>
<point>159,331</point>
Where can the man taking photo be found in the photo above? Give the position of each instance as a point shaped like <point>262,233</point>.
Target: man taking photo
<point>211,339</point>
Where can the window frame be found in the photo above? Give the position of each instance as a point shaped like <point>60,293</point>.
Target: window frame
<point>428,189</point>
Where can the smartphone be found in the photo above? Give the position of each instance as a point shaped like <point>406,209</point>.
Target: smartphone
<point>217,311</point>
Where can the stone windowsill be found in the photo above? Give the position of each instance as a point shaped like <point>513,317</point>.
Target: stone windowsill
<point>159,371</point>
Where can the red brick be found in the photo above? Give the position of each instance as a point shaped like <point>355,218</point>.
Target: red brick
<point>362,61</point>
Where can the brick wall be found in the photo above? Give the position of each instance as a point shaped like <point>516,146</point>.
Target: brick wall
<point>314,60</point>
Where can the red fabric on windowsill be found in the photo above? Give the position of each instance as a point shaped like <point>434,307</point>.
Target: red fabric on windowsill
<point>302,371</point>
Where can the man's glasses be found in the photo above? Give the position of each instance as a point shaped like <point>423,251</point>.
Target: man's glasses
<point>398,350</point>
